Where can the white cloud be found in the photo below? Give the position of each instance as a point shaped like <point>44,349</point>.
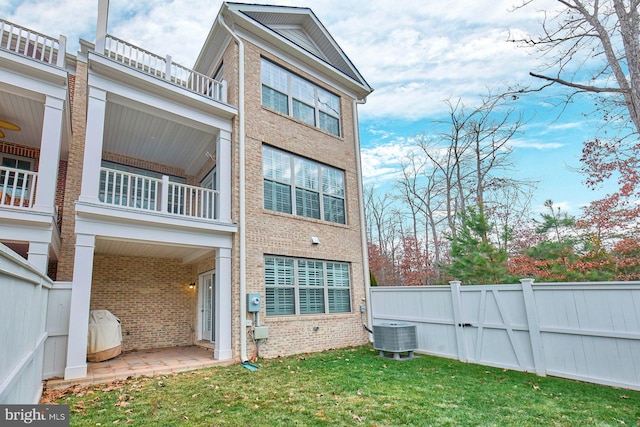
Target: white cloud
<point>414,53</point>
<point>383,162</point>
<point>534,143</point>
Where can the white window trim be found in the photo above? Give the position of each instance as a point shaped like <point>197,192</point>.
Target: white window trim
<point>325,287</point>
<point>315,106</point>
<point>20,158</point>
<point>292,186</point>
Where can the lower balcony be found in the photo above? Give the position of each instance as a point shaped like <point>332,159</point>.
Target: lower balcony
<point>17,187</point>
<point>144,193</point>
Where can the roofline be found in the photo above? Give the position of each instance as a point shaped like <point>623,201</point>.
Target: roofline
<point>231,11</point>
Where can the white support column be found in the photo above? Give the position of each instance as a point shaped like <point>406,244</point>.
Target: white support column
<point>38,256</point>
<point>101,26</point>
<point>222,307</point>
<point>96,109</point>
<point>223,169</point>
<point>79,311</point>
<point>49,155</point>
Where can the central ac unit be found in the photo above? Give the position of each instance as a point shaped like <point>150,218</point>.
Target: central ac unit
<point>395,338</point>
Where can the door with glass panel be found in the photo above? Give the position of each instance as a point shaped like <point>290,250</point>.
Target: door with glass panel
<point>206,302</point>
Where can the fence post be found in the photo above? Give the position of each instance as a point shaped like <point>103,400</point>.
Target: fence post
<point>534,326</point>
<point>457,320</point>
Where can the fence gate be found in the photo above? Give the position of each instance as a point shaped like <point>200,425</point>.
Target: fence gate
<point>493,327</point>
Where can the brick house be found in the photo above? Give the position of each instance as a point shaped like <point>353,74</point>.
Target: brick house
<point>175,196</point>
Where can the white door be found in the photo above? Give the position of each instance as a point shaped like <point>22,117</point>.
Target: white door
<point>206,303</point>
<point>209,203</point>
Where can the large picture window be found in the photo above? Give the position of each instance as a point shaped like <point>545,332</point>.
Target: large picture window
<point>290,94</point>
<point>302,187</point>
<point>302,286</point>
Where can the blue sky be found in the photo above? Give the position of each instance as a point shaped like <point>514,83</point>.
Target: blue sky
<point>414,53</point>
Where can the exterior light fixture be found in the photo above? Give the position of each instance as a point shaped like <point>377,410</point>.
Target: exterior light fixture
<point>315,240</point>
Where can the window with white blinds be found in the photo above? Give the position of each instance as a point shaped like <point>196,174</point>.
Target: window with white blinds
<point>302,286</point>
<point>302,187</point>
<point>294,96</point>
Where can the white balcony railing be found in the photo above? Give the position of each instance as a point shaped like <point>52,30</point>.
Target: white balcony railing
<point>160,195</point>
<point>162,67</point>
<point>32,44</point>
<point>17,187</point>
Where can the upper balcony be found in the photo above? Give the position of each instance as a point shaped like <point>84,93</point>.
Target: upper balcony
<point>163,68</point>
<point>31,44</point>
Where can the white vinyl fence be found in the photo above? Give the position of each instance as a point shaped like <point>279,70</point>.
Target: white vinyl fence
<point>55,349</point>
<point>584,331</point>
<point>23,311</point>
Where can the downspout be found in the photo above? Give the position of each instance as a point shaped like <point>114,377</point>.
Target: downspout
<point>241,173</point>
<point>363,224</point>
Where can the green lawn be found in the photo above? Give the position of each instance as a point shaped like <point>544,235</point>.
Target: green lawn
<point>353,387</point>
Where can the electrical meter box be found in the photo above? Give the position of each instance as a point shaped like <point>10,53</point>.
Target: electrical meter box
<point>253,303</point>
<point>261,332</point>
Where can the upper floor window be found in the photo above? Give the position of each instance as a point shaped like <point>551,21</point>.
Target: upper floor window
<point>297,185</point>
<point>290,94</point>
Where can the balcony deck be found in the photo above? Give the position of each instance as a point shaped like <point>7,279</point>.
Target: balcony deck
<point>31,44</point>
<point>164,68</point>
<point>17,187</point>
<point>144,193</point>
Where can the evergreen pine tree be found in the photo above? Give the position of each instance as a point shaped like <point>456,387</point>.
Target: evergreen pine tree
<point>474,260</point>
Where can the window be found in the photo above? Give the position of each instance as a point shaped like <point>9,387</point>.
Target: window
<point>290,94</point>
<point>295,185</point>
<point>302,286</point>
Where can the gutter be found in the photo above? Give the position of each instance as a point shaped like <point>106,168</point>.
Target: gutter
<point>241,173</point>
<point>363,224</point>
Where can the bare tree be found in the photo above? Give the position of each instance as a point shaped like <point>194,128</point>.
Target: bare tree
<point>598,38</point>
<point>383,231</point>
<point>593,47</point>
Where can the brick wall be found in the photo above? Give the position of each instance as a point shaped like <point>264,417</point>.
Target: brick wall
<point>74,172</point>
<point>287,235</point>
<point>151,296</point>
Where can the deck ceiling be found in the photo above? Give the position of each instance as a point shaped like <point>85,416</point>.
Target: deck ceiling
<point>27,111</point>
<point>145,249</point>
<point>142,135</point>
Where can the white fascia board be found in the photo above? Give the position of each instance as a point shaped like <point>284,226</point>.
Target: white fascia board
<point>24,231</point>
<point>125,224</point>
<point>30,87</point>
<point>120,93</point>
<point>36,69</point>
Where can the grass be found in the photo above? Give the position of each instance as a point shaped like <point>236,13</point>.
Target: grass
<point>353,387</point>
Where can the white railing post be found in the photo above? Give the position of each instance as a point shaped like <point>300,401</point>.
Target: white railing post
<point>164,204</point>
<point>168,69</point>
<point>534,326</point>
<point>223,91</point>
<point>62,51</point>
